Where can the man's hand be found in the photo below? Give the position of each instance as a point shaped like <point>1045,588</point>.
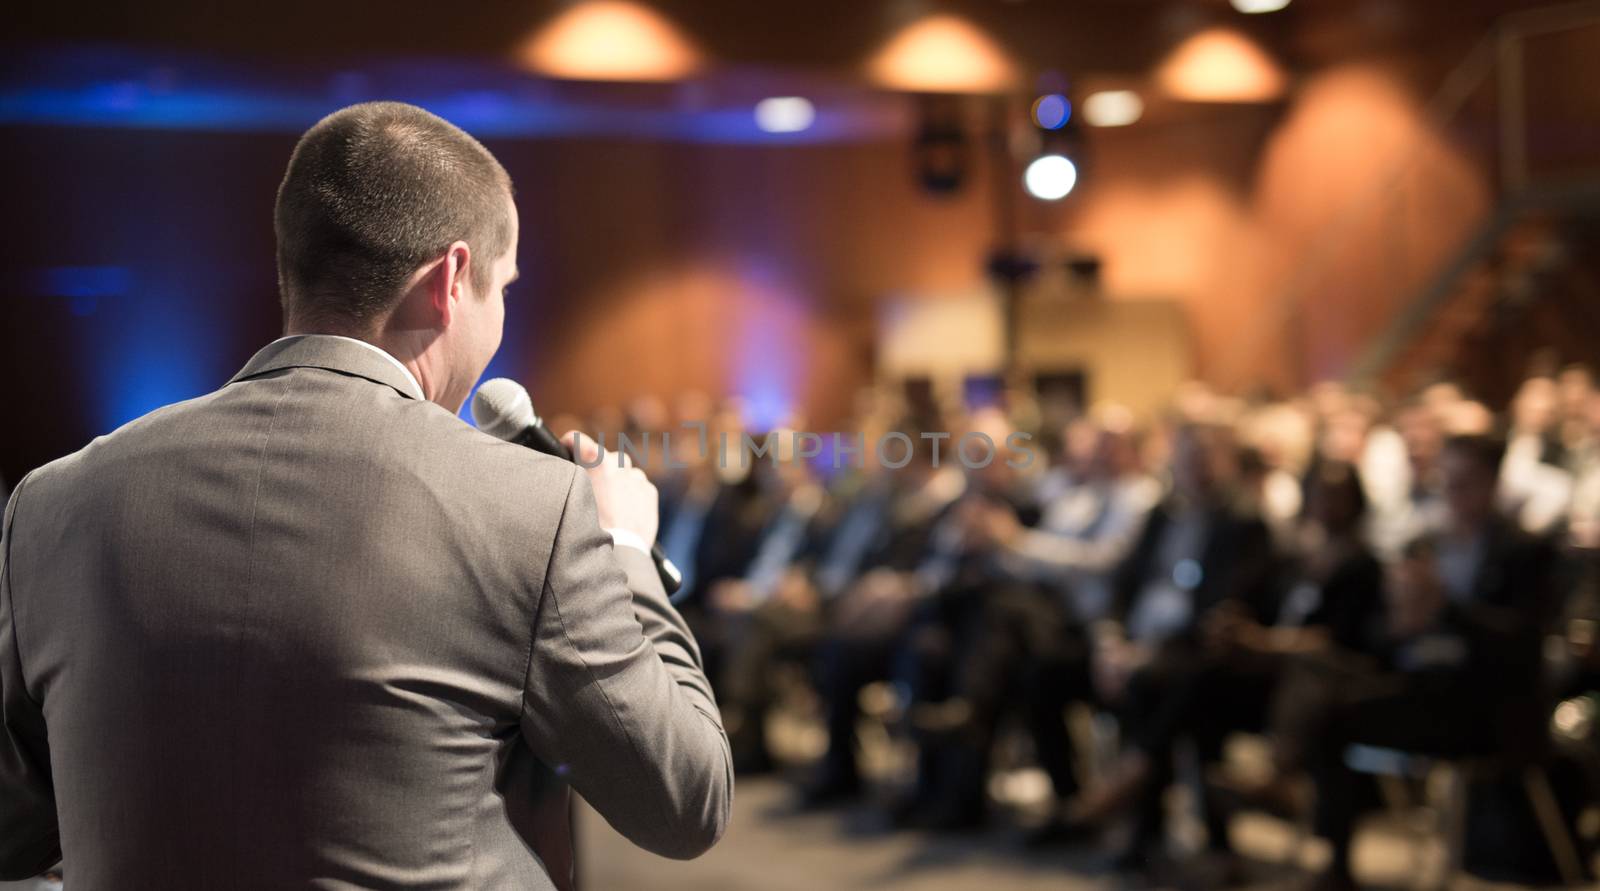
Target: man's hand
<point>879,600</point>
<point>625,498</point>
<point>732,597</point>
<point>1113,661</point>
<point>990,525</point>
<point>1228,626</point>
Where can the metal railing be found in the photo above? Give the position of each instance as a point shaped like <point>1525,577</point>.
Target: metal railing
<point>1372,227</point>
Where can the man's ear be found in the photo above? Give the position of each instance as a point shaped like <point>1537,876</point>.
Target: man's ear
<point>451,282</point>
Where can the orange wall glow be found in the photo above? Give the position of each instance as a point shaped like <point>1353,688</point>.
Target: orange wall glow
<point>1355,138</point>
<point>942,54</point>
<point>609,40</point>
<point>1219,65</point>
<point>1292,238</point>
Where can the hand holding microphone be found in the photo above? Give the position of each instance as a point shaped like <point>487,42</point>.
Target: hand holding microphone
<point>626,500</point>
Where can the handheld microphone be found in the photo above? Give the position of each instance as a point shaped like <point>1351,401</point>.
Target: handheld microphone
<point>503,409</point>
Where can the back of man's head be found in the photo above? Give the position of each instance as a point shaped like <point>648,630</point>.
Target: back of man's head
<point>373,192</point>
<point>1483,451</point>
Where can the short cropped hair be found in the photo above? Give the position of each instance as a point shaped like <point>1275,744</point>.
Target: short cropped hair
<point>374,191</point>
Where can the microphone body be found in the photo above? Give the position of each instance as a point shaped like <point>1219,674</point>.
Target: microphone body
<point>504,418</point>
<point>541,439</point>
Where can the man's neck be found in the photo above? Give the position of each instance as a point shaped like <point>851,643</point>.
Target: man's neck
<point>410,349</point>
<point>414,370</point>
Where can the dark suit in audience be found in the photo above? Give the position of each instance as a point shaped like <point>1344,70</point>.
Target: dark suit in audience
<point>868,621</point>
<point>1026,642</point>
<point>1228,681</point>
<point>1461,673</point>
<point>1201,551</point>
<point>948,661</point>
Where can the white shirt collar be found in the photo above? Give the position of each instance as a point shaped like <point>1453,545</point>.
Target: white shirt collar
<point>416,388</point>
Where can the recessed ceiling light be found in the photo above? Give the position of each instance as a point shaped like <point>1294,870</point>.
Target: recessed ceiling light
<point>616,40</point>
<point>943,53</point>
<point>1221,65</point>
<point>1253,7</point>
<point>1113,108</point>
<point>785,114</point>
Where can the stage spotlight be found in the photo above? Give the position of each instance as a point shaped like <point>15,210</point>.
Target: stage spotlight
<point>1050,177</point>
<point>1052,111</point>
<point>785,114</point>
<point>1113,108</point>
<point>1252,7</point>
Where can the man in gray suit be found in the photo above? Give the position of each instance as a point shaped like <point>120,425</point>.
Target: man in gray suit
<point>311,630</point>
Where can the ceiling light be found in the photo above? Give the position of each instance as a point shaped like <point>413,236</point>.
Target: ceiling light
<point>1113,108</point>
<point>943,54</point>
<point>1251,7</point>
<point>785,114</point>
<point>609,40</point>
<point>1220,65</point>
<point>1050,177</point>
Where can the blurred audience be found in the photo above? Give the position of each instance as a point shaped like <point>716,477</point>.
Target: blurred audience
<point>1319,572</point>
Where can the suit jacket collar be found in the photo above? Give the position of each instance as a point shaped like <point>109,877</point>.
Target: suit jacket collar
<point>338,354</point>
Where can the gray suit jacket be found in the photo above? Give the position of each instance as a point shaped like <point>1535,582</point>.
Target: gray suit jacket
<point>313,631</point>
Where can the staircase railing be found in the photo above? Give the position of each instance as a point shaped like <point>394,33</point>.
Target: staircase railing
<point>1420,282</point>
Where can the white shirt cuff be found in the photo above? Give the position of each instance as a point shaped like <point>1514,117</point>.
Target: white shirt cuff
<point>622,538</point>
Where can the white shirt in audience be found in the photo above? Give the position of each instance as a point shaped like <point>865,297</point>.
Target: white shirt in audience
<point>1085,531</point>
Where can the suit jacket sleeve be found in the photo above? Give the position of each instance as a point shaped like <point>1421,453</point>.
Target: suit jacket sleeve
<point>1505,626</point>
<point>616,699</point>
<point>30,840</point>
<point>1128,577</point>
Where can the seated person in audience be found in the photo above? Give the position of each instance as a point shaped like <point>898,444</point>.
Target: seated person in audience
<point>1093,508</point>
<point>1582,622</point>
<point>711,503</point>
<point>1535,484</point>
<point>1578,668</point>
<point>1048,584</point>
<point>1353,428</point>
<point>725,536</point>
<point>1227,683</point>
<point>1460,672</point>
<point>1200,554</point>
<point>1405,495</point>
<point>1277,439</point>
<point>954,674</point>
<point>768,608</point>
<point>775,612</point>
<point>684,472</point>
<point>715,525</point>
<point>1583,514</point>
<point>1575,396</point>
<point>868,618</point>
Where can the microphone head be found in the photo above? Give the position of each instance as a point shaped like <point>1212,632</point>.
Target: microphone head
<point>502,408</point>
